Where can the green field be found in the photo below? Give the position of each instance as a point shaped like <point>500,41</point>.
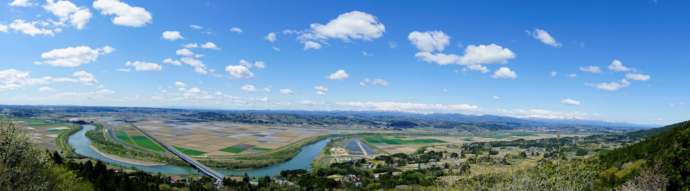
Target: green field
<point>379,139</point>
<point>234,149</point>
<point>147,143</point>
<point>123,136</point>
<point>190,152</point>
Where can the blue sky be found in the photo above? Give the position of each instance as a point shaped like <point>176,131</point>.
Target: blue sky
<point>623,61</point>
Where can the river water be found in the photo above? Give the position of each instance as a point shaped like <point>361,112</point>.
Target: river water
<point>303,159</point>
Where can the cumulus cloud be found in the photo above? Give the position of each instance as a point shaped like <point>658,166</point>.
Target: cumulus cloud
<point>85,77</point>
<point>172,61</point>
<point>68,11</point>
<point>46,89</point>
<point>311,45</point>
<point>553,73</point>
<point>143,66</point>
<point>430,41</point>
<point>33,28</point>
<point>637,76</point>
<point>248,88</point>
<point>73,56</point>
<point>613,86</point>
<point>355,25</point>
<point>338,75</point>
<point>210,45</point>
<point>321,90</point>
<point>22,3</point>
<point>271,37</point>
<point>124,14</point>
<point>239,71</point>
<point>197,64</point>
<point>617,66</point>
<point>172,35</point>
<point>591,69</point>
<point>286,91</point>
<point>410,107</point>
<point>568,101</point>
<point>184,52</point>
<point>373,82</point>
<point>544,37</point>
<point>504,73</point>
<point>11,79</point>
<point>236,30</point>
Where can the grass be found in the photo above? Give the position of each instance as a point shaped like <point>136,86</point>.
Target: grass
<point>379,139</point>
<point>190,152</point>
<point>234,149</point>
<point>123,136</point>
<point>147,143</point>
<point>62,141</point>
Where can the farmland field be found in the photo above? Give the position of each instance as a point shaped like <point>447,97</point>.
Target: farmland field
<point>190,152</point>
<point>147,143</point>
<point>380,139</point>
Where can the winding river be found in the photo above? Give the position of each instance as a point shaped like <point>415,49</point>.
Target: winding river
<point>303,159</point>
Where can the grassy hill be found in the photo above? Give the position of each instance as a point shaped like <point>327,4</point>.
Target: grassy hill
<point>666,149</point>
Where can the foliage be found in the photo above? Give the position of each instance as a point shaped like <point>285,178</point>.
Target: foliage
<point>23,167</point>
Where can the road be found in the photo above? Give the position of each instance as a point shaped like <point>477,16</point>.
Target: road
<point>364,151</point>
<point>196,164</point>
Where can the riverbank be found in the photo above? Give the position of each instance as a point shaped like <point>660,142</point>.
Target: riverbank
<point>127,160</point>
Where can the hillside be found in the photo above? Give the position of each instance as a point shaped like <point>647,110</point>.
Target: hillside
<point>666,148</point>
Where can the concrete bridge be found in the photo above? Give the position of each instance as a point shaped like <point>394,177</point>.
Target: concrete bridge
<point>196,164</point>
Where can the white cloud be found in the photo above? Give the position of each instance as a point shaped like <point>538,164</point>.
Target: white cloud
<point>613,86</point>
<point>191,45</point>
<point>410,107</point>
<point>172,61</point>
<point>486,54</point>
<point>210,45</point>
<point>286,91</point>
<point>637,76</point>
<point>125,15</point>
<point>172,35</point>
<point>591,69</point>
<point>373,82</point>
<point>321,90</point>
<point>338,75</point>
<point>66,10</point>
<point>248,88</point>
<point>85,77</point>
<point>197,64</point>
<point>504,73</point>
<point>73,56</point>
<point>544,37</point>
<point>180,84</point>
<point>553,73</point>
<point>568,101</point>
<point>184,52</point>
<point>3,28</point>
<point>239,71</point>
<point>196,27</point>
<point>236,30</point>
<point>617,66</point>
<point>22,3</point>
<point>429,41</point>
<point>46,89</point>
<point>349,26</point>
<point>271,37</point>
<point>260,64</point>
<point>572,75</point>
<point>311,45</point>
<point>33,28</point>
<point>544,114</point>
<point>495,97</point>
<point>438,58</point>
<point>143,66</point>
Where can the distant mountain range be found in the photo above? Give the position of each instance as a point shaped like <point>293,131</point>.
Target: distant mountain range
<point>398,120</point>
